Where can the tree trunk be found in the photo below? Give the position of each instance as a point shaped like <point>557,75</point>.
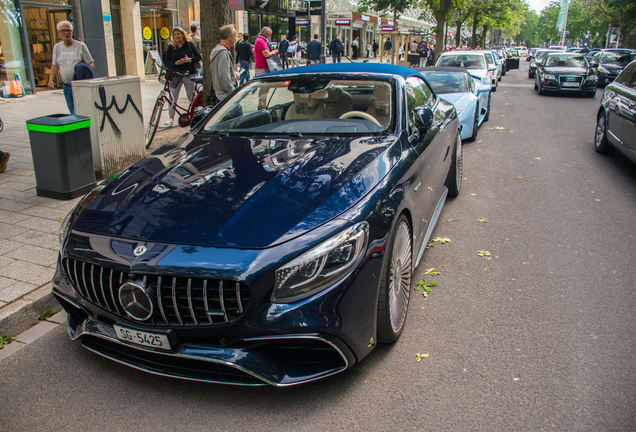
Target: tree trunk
<point>473,42</point>
<point>484,32</point>
<point>214,14</point>
<point>458,35</point>
<point>440,17</point>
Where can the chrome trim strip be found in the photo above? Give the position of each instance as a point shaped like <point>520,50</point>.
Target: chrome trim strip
<point>77,279</point>
<point>82,330</point>
<point>112,291</point>
<point>194,318</point>
<point>205,300</point>
<point>431,226</point>
<point>99,302</point>
<point>174,300</point>
<point>238,297</point>
<point>221,300</point>
<point>163,314</point>
<point>68,271</point>
<point>101,285</point>
<point>84,279</point>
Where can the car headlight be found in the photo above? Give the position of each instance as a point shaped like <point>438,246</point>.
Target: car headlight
<point>549,76</point>
<point>533,64</point>
<point>592,77</point>
<point>66,224</point>
<point>321,266</point>
<point>602,69</point>
<point>460,109</point>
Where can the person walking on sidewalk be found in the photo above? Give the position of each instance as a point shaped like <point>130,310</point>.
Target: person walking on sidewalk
<point>355,45</point>
<point>336,48</point>
<point>66,55</point>
<point>196,40</point>
<point>313,50</point>
<point>387,50</point>
<point>224,78</point>
<point>182,55</point>
<point>244,58</point>
<point>293,51</point>
<point>375,49</point>
<point>282,49</point>
<point>262,52</point>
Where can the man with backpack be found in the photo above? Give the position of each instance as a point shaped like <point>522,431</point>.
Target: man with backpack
<point>336,48</point>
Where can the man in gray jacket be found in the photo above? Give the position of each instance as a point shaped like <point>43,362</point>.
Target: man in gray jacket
<point>224,77</point>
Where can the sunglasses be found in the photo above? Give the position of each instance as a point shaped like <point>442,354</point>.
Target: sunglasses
<point>66,31</point>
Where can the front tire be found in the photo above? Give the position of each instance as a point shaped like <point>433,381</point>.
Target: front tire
<point>454,177</point>
<point>154,122</point>
<point>473,137</point>
<point>395,289</point>
<point>487,116</point>
<point>600,138</point>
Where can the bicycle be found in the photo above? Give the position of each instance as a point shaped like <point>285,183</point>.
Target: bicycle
<point>165,101</point>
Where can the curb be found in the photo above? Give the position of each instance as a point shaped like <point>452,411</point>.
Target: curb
<point>24,313</point>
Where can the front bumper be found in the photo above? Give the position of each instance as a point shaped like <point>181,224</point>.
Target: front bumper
<point>555,86</point>
<point>276,360</point>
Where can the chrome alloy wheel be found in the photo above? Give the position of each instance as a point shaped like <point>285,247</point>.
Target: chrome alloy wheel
<point>458,162</point>
<point>600,131</point>
<point>400,277</point>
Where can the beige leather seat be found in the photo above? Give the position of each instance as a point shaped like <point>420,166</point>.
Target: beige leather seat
<point>381,107</point>
<point>337,103</point>
<point>307,106</point>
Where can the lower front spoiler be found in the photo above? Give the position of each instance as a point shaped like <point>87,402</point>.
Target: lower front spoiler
<point>280,360</point>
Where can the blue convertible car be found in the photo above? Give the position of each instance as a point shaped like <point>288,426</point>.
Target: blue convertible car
<point>469,94</point>
<point>272,244</point>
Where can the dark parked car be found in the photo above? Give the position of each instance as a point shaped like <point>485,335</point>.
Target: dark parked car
<point>616,118</point>
<point>274,243</point>
<point>609,64</point>
<point>565,72</point>
<point>539,55</point>
<point>530,55</point>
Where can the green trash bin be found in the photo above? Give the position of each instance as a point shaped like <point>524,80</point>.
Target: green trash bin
<point>62,155</point>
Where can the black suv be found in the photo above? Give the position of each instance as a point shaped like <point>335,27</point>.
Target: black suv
<point>616,118</point>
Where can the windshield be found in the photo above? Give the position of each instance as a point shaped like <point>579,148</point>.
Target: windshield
<point>305,106</point>
<point>447,82</point>
<point>540,55</point>
<point>557,60</point>
<point>489,58</point>
<point>622,59</point>
<point>462,60</point>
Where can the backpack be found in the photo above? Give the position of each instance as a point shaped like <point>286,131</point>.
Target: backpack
<point>338,48</point>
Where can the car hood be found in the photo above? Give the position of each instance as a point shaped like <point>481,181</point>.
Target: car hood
<point>235,191</point>
<point>566,70</point>
<point>613,67</point>
<point>457,99</point>
<point>482,73</point>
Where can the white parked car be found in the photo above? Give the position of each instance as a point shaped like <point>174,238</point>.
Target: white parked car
<point>474,61</point>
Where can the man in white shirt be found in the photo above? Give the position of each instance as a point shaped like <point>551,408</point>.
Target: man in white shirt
<point>66,55</point>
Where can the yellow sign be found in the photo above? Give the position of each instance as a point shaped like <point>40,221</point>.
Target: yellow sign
<point>147,33</point>
<point>165,33</point>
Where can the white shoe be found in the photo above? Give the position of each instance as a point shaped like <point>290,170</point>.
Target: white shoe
<point>169,122</point>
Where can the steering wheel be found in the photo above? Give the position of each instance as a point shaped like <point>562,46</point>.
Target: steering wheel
<point>360,114</point>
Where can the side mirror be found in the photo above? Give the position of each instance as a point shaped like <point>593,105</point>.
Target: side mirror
<point>483,88</point>
<point>593,64</point>
<point>200,115</point>
<point>423,118</point>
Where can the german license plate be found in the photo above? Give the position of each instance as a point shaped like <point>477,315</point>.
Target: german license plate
<point>155,341</point>
<point>570,84</point>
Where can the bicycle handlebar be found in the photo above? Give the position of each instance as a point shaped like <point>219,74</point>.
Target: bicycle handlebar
<point>174,71</point>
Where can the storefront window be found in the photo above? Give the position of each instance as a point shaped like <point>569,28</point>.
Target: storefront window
<point>254,28</point>
<point>12,57</point>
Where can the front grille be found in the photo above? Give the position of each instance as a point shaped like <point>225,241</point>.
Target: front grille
<point>178,301</point>
<point>570,79</point>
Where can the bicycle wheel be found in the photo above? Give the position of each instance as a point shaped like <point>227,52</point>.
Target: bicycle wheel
<point>1,125</point>
<point>154,122</point>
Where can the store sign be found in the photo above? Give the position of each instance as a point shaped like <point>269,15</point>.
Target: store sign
<point>294,5</point>
<point>314,7</point>
<point>236,4</point>
<point>379,21</point>
<point>390,23</point>
<point>343,22</point>
<point>147,33</point>
<point>165,33</point>
<point>302,21</point>
<point>387,28</point>
<point>365,18</point>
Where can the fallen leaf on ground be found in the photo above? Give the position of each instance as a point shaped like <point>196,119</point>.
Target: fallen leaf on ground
<point>484,220</point>
<point>419,356</point>
<point>538,158</point>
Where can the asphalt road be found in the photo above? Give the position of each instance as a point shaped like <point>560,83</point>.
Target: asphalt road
<point>540,337</point>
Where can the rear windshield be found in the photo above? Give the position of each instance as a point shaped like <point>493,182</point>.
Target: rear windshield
<point>447,82</point>
<point>557,60</point>
<point>622,59</point>
<point>463,60</point>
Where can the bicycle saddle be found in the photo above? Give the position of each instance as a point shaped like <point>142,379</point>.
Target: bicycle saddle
<point>197,79</point>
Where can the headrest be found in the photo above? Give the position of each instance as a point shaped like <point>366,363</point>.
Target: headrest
<point>382,97</point>
<point>334,94</point>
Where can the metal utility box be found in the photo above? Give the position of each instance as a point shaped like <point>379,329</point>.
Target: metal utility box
<point>62,156</point>
<point>117,129</point>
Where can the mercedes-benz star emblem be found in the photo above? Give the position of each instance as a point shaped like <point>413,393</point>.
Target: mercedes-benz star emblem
<point>140,250</point>
<point>135,301</point>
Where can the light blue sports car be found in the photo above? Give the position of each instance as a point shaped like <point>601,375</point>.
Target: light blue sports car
<point>470,94</point>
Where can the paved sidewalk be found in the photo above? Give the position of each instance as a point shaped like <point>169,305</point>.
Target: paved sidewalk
<point>29,224</point>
